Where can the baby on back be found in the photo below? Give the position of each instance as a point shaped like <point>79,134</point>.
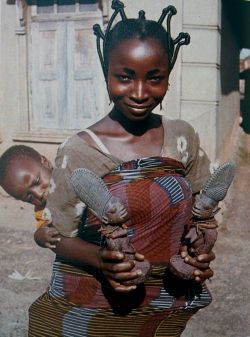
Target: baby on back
<point>26,175</point>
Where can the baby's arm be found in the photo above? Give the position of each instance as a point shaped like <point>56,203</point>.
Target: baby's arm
<point>46,236</point>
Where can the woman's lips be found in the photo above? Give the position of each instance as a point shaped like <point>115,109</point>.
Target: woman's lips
<point>138,107</point>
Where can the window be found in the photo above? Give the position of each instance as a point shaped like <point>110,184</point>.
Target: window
<point>66,87</point>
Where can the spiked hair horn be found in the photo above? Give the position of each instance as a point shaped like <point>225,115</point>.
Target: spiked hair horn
<point>118,7</point>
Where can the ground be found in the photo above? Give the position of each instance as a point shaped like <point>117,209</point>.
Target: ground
<point>227,316</point>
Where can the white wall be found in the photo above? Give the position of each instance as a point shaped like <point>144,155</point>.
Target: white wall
<point>195,84</point>
<point>200,72</point>
<point>8,65</point>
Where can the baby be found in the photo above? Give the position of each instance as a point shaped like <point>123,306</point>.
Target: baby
<point>26,175</point>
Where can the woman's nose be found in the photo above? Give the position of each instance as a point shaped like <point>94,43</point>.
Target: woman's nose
<point>139,93</point>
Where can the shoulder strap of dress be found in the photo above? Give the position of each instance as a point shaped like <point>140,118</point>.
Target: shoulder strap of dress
<point>97,140</point>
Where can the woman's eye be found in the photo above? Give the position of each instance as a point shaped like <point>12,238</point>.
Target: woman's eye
<point>123,78</point>
<point>156,79</point>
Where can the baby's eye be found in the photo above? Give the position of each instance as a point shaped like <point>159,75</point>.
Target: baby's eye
<point>37,180</point>
<point>29,198</point>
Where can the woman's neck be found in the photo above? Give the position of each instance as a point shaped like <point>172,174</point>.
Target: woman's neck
<point>136,128</point>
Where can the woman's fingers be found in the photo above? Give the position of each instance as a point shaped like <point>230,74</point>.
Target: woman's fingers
<point>121,267</point>
<point>124,289</point>
<point>139,257</point>
<point>117,271</point>
<point>198,264</point>
<point>120,287</point>
<point>201,276</point>
<point>201,261</point>
<point>111,255</point>
<point>123,276</point>
<point>206,257</point>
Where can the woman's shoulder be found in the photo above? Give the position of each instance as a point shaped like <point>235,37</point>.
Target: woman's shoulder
<point>178,127</point>
<point>67,149</point>
<point>181,142</point>
<point>76,152</point>
<point>71,143</point>
<point>81,139</point>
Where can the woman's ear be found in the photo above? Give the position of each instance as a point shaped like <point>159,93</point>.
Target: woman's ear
<point>46,162</point>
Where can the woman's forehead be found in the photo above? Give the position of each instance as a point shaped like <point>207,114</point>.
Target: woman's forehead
<point>135,50</point>
<point>139,44</point>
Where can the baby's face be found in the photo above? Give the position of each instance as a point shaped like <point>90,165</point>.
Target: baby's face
<point>28,180</point>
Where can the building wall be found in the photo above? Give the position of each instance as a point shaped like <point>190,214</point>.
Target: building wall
<point>195,84</point>
<point>200,73</point>
<point>8,68</point>
<point>228,116</point>
<point>13,84</point>
<point>214,113</point>
<point>1,50</point>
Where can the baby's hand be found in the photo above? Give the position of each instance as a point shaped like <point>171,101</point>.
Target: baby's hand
<point>47,237</point>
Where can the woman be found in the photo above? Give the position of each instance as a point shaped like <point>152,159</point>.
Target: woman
<point>160,158</point>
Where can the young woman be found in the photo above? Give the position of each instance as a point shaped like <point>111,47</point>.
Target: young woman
<point>160,162</point>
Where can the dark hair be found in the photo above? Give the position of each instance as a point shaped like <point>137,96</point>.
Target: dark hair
<point>140,28</point>
<point>13,153</point>
<point>136,28</point>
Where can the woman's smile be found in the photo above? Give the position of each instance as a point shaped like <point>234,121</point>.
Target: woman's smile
<point>138,111</point>
<point>138,107</point>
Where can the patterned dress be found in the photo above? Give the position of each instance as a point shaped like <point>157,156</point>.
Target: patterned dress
<point>80,303</point>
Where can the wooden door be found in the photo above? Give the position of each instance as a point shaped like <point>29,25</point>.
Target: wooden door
<point>67,89</point>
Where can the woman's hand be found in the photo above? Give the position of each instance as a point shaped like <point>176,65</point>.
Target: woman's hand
<point>200,262</point>
<point>117,271</point>
<point>46,236</point>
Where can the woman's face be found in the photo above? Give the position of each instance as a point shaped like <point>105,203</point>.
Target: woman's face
<point>137,77</point>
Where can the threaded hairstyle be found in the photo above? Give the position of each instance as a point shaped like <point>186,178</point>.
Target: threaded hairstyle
<point>136,28</point>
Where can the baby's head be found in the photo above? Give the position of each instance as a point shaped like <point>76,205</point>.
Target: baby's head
<point>25,174</point>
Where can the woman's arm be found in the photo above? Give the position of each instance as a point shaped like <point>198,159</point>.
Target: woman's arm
<point>111,263</point>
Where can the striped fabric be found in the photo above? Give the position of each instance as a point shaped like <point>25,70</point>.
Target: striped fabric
<point>172,187</point>
<point>80,303</point>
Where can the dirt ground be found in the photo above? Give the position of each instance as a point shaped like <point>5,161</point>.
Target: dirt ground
<point>25,268</point>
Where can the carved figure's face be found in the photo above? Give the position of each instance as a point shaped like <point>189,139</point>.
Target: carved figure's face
<point>137,77</point>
